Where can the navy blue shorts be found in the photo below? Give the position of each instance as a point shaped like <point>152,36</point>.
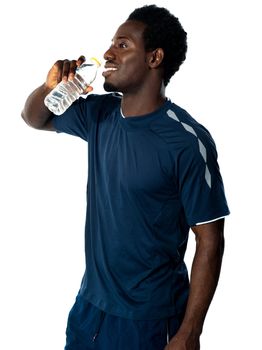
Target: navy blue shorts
<point>90,328</point>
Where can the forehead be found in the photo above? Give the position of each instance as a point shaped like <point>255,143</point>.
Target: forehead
<point>131,30</point>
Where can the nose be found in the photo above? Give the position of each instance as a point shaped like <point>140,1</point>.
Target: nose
<point>109,55</point>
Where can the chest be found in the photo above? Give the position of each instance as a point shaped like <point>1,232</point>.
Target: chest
<point>131,161</point>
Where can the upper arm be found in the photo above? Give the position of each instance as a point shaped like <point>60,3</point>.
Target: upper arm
<point>49,126</point>
<point>210,233</point>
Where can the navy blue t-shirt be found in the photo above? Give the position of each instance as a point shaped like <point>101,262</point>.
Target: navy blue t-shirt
<point>149,179</point>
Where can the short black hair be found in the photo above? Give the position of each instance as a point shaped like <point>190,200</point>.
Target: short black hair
<point>163,30</point>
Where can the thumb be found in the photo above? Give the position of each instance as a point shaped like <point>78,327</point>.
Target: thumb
<point>87,90</point>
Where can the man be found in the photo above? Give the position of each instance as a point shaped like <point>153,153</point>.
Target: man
<point>152,175</point>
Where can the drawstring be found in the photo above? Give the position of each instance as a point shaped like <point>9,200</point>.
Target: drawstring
<point>102,316</point>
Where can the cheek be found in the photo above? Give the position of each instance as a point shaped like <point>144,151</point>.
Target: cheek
<point>134,68</point>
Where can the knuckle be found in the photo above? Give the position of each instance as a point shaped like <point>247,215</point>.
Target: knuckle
<point>58,63</point>
<point>73,64</point>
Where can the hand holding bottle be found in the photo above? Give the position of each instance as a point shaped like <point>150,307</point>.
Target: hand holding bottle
<point>35,112</point>
<point>64,70</point>
<point>68,80</point>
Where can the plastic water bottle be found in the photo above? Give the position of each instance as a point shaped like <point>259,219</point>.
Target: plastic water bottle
<point>65,93</point>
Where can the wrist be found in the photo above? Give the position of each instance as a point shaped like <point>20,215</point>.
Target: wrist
<point>187,337</point>
<point>191,329</point>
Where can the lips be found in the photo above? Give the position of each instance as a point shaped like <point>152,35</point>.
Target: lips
<point>109,69</point>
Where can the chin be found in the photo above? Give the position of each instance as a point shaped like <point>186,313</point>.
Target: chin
<point>110,87</point>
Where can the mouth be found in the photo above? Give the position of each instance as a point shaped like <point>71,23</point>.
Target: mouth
<point>108,71</point>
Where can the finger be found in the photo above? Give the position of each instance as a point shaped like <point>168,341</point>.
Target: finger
<point>65,70</point>
<point>87,90</point>
<point>58,69</point>
<point>72,69</point>
<point>80,60</point>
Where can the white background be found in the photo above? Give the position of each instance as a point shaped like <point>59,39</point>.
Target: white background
<point>43,175</point>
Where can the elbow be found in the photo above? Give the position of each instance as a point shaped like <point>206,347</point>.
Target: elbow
<point>28,121</point>
<point>24,117</point>
<point>34,123</point>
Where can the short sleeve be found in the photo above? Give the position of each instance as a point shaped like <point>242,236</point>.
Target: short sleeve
<point>200,183</point>
<point>77,118</point>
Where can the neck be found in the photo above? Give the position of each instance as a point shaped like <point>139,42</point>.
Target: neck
<point>138,104</point>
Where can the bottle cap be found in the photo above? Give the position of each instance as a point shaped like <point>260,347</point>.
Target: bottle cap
<point>96,61</point>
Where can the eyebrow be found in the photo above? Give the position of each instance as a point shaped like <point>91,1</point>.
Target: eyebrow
<point>121,37</point>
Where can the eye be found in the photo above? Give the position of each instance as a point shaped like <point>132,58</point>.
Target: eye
<point>123,45</point>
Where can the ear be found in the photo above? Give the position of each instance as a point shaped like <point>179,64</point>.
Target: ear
<point>156,58</point>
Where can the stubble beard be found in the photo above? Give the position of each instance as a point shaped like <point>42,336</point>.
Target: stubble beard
<point>110,87</point>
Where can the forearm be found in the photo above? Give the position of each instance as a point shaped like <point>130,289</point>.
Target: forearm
<point>35,113</point>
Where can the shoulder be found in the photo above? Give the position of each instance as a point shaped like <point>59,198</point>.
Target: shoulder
<point>97,107</point>
<point>180,130</point>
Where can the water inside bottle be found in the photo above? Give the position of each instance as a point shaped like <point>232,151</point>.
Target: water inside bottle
<point>65,93</point>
